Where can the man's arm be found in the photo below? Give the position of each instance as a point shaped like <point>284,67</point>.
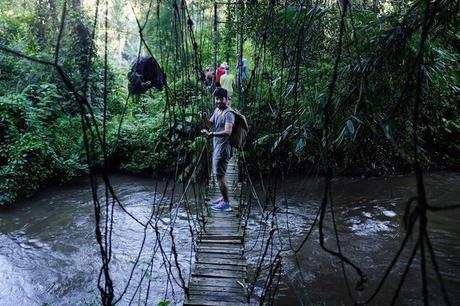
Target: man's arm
<point>226,132</point>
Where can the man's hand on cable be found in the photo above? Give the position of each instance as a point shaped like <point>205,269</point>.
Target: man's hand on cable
<point>206,132</point>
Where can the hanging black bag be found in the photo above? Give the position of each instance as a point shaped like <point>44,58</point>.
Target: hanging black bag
<point>144,74</point>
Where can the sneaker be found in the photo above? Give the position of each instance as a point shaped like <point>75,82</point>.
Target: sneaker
<point>222,206</point>
<point>217,201</point>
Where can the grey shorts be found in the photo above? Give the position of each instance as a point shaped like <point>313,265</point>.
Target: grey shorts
<point>219,166</point>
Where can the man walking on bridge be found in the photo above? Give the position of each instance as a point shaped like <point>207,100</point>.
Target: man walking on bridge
<point>223,122</point>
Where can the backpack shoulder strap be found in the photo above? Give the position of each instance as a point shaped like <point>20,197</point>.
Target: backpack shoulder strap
<point>229,109</point>
<point>238,116</point>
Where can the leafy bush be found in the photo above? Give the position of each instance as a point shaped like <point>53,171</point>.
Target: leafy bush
<point>31,162</point>
<point>35,151</point>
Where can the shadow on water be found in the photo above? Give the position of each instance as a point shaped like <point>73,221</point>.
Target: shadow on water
<point>48,252</point>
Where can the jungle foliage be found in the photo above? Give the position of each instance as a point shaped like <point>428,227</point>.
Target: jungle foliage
<point>292,47</point>
<point>374,97</point>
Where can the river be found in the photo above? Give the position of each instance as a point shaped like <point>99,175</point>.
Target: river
<point>48,253</point>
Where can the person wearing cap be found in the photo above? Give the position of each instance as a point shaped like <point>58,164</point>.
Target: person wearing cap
<point>227,81</point>
<point>220,72</point>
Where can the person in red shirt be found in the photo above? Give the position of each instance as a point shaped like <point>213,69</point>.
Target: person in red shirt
<point>220,72</point>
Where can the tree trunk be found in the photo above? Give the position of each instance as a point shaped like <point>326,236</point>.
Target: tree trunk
<point>53,12</point>
<point>41,24</point>
<point>83,37</point>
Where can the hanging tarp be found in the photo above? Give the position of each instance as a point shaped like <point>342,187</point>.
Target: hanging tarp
<point>144,74</point>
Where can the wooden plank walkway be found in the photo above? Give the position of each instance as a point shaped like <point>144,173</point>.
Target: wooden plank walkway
<point>219,273</point>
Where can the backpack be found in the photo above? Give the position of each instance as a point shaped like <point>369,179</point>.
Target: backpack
<point>144,74</point>
<point>240,129</point>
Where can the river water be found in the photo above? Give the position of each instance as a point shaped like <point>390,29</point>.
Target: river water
<point>48,253</point>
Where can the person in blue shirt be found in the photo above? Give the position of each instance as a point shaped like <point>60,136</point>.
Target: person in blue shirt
<point>243,69</point>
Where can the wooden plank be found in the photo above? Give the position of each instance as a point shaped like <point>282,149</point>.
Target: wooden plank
<point>219,261</point>
<point>220,292</point>
<point>219,232</point>
<point>201,302</point>
<point>221,256</point>
<point>221,219</point>
<point>217,297</point>
<point>215,282</point>
<point>229,221</point>
<point>222,224</point>
<point>220,250</point>
<point>206,236</point>
<point>221,229</point>
<point>225,247</point>
<point>223,241</point>
<point>204,272</point>
<point>224,221</point>
<point>200,289</point>
<point>218,245</point>
<point>227,267</point>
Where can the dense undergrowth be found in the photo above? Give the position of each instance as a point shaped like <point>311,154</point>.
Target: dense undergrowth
<point>41,134</point>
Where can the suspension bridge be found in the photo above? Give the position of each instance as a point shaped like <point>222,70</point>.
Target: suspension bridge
<point>219,274</point>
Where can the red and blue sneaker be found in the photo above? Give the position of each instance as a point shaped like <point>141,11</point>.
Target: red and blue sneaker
<point>222,206</point>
